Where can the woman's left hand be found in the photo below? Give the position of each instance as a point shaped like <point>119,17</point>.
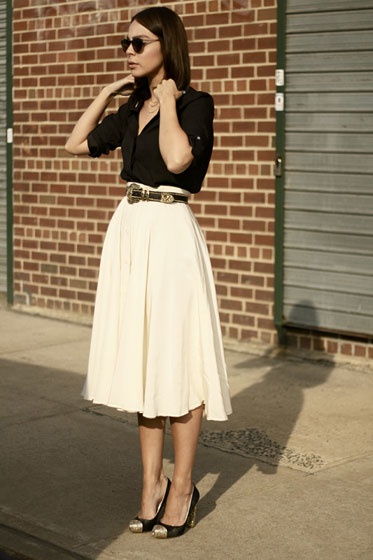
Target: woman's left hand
<point>167,89</point>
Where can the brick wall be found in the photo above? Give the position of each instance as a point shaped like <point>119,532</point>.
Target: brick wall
<point>63,53</point>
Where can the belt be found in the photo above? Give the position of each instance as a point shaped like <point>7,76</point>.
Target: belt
<point>135,193</point>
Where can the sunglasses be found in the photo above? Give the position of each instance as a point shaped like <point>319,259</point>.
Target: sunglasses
<point>137,43</point>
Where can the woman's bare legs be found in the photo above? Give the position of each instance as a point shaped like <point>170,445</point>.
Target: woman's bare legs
<point>185,432</point>
<point>151,434</point>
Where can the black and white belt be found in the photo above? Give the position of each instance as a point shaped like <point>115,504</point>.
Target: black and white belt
<point>136,193</point>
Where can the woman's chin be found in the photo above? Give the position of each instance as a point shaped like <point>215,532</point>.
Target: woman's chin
<point>135,70</point>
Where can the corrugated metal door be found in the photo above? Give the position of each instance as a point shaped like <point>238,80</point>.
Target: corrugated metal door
<point>328,213</point>
<point>3,185</point>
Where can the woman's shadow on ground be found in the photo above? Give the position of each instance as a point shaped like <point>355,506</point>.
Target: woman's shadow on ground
<point>265,413</point>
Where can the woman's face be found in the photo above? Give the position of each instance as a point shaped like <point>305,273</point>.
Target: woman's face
<point>149,62</point>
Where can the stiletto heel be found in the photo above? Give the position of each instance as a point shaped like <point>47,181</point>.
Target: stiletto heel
<point>141,525</point>
<point>163,531</point>
<point>191,521</point>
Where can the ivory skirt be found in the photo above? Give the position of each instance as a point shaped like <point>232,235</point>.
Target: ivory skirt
<point>156,344</point>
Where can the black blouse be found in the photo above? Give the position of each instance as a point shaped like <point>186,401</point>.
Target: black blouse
<point>142,160</point>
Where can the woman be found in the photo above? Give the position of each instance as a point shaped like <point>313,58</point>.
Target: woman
<point>156,344</point>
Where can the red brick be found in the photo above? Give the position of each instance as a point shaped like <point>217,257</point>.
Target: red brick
<point>86,296</point>
<point>247,320</point>
<point>257,308</point>
<point>231,31</point>
<point>360,350</point>
<point>346,348</point>
<point>241,238</point>
<point>267,324</point>
<point>228,223</point>
<point>244,293</point>
<point>203,33</point>
<point>231,304</point>
<point>216,19</point>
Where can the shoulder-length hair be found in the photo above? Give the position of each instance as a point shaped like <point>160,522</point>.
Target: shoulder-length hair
<point>167,25</point>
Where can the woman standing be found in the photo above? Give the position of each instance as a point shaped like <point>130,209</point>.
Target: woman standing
<point>156,344</point>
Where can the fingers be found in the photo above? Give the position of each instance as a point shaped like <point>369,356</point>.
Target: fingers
<point>123,86</point>
<point>167,88</point>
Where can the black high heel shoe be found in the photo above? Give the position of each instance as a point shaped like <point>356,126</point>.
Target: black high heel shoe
<point>141,525</point>
<point>163,531</point>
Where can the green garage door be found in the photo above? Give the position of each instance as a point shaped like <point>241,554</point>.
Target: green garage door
<point>328,189</point>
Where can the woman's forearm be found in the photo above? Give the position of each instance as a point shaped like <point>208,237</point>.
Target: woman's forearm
<point>173,142</point>
<point>77,143</point>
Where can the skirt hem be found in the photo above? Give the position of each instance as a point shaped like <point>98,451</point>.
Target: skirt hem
<point>167,415</point>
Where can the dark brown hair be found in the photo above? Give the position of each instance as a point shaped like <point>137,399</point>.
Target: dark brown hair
<point>167,25</point>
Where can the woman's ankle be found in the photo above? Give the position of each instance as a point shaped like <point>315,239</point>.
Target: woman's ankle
<point>182,485</point>
<point>152,481</point>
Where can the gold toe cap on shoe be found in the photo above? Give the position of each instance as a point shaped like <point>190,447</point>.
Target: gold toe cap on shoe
<point>159,532</point>
<point>135,526</point>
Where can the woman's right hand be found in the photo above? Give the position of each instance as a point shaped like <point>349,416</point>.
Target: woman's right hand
<point>124,86</point>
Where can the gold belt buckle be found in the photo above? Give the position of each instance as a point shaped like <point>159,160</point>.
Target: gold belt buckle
<point>134,193</point>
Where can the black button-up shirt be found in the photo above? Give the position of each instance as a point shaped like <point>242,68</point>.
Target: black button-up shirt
<point>142,160</point>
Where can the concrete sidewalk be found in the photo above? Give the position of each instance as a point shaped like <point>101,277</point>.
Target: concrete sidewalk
<point>289,476</point>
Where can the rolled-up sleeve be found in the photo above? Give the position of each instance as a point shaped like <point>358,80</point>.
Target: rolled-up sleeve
<point>197,122</point>
<point>108,135</point>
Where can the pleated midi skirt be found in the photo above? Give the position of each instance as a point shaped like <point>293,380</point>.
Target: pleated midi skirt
<point>156,344</point>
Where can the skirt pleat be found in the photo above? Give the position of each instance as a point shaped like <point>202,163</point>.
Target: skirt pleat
<point>156,344</point>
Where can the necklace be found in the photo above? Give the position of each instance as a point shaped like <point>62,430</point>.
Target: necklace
<point>153,106</point>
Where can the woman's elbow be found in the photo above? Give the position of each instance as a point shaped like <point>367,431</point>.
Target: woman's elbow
<point>76,149</point>
<point>70,148</point>
<point>178,166</point>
